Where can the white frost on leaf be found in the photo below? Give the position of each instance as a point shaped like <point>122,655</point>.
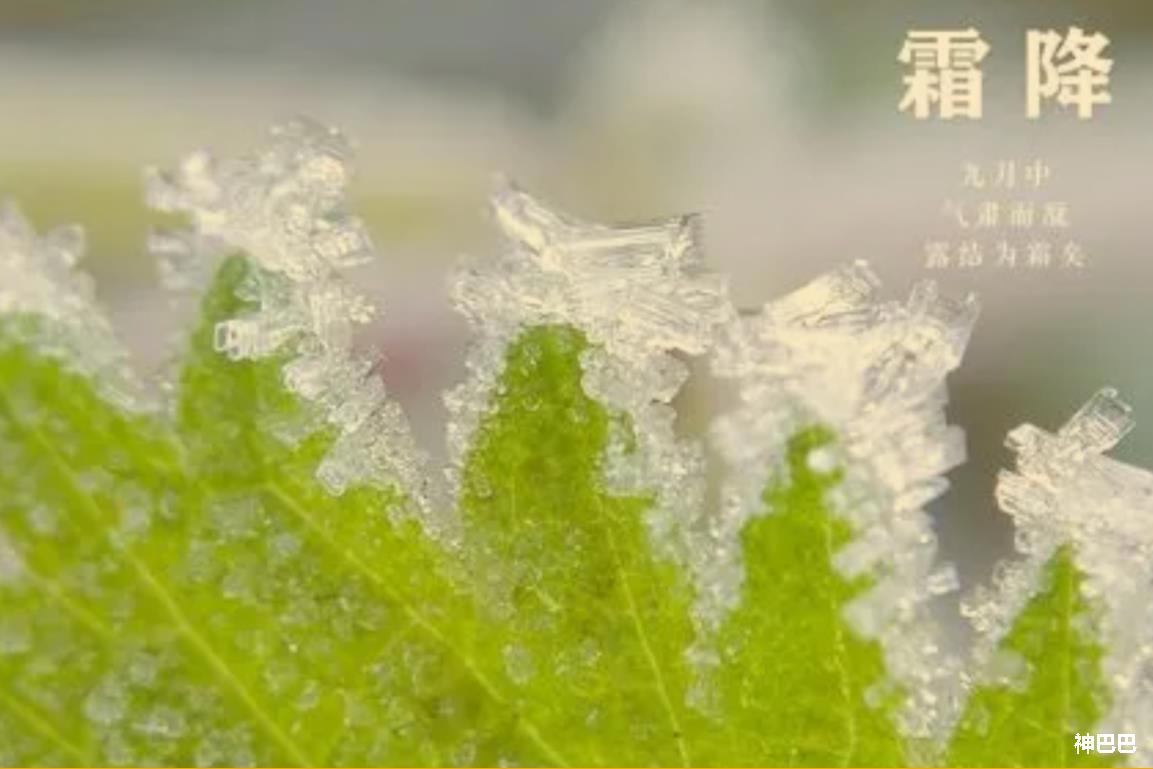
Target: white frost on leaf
<point>11,564</point>
<point>872,372</point>
<point>39,278</point>
<point>638,295</point>
<point>284,207</point>
<point>1064,491</point>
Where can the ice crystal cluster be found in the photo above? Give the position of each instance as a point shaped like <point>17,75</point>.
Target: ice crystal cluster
<point>639,295</point>
<point>38,278</point>
<point>353,636</point>
<point>874,372</point>
<point>285,208</point>
<point>1066,492</point>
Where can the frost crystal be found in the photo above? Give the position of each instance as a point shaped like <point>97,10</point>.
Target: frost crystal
<point>1065,491</point>
<point>284,207</point>
<point>38,277</point>
<point>874,373</point>
<point>11,565</point>
<point>637,294</point>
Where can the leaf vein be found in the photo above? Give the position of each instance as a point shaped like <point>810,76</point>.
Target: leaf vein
<point>158,590</point>
<point>416,617</point>
<point>642,636</point>
<point>840,651</point>
<point>37,722</point>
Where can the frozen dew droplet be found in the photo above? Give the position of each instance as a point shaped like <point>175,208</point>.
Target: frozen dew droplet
<point>107,703</point>
<point>943,581</point>
<point>11,565</point>
<point>1065,491</point>
<point>873,372</point>
<point>638,294</point>
<point>822,460</point>
<point>162,722</point>
<point>225,747</point>
<point>518,663</point>
<point>284,207</point>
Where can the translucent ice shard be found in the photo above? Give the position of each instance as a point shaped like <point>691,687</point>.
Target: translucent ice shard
<point>638,294</point>
<point>1064,491</point>
<point>284,207</point>
<point>874,373</point>
<point>39,278</point>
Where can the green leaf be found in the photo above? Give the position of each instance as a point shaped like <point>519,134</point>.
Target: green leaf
<point>249,617</point>
<point>796,685</point>
<point>187,592</point>
<point>102,662</point>
<point>378,642</point>
<point>1060,691</point>
<point>593,627</point>
<point>255,576</point>
<point>260,619</point>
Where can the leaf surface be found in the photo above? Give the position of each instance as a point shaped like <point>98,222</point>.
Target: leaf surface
<point>593,626</point>
<point>246,617</point>
<point>796,685</point>
<point>181,587</point>
<point>1057,692</point>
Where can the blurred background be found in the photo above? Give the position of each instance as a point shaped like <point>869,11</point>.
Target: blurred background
<point>777,120</point>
